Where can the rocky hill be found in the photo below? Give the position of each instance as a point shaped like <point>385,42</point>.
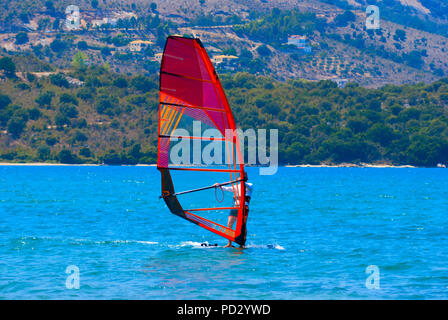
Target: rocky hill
<point>409,47</point>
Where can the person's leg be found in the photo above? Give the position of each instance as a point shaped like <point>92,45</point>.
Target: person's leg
<point>245,229</point>
<point>230,222</point>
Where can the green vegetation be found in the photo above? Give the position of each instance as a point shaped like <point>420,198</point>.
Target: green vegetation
<point>107,119</point>
<point>274,28</point>
<point>320,123</point>
<point>405,15</point>
<point>344,19</point>
<point>7,66</point>
<point>112,118</point>
<point>215,20</point>
<point>21,38</point>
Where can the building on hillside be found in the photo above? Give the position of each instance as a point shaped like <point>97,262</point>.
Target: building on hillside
<point>158,57</point>
<point>74,82</point>
<point>107,17</point>
<point>104,21</point>
<point>300,42</point>
<point>340,82</point>
<point>223,59</point>
<point>139,45</point>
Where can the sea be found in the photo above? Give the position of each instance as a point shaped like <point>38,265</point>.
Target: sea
<point>101,232</point>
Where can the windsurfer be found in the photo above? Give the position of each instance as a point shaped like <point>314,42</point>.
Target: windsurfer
<point>248,187</point>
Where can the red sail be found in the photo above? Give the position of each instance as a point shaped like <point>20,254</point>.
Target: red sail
<point>190,90</point>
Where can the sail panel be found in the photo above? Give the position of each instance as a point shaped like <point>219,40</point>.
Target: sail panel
<point>191,91</point>
<point>181,57</point>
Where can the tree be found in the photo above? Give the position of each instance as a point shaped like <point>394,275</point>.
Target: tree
<point>8,66</point>
<point>381,133</point>
<point>142,83</point>
<point>85,152</point>
<point>85,93</point>
<point>79,137</point>
<point>345,18</point>
<point>79,61</point>
<point>17,123</point>
<point>59,80</point>
<point>263,51</point>
<point>66,156</point>
<point>106,105</point>
<point>51,141</point>
<point>60,119</point>
<point>43,23</point>
<point>21,38</point>
<point>295,152</point>
<point>121,82</point>
<point>34,113</point>
<point>135,151</point>
<point>68,98</point>
<point>50,6</point>
<point>45,98</point>
<point>58,46</point>
<point>427,151</point>
<point>112,158</point>
<point>414,59</point>
<point>23,16</point>
<point>357,125</point>
<point>246,54</point>
<point>56,24</point>
<point>105,51</point>
<point>82,45</point>
<point>43,153</point>
<point>68,110</point>
<point>4,101</point>
<point>400,35</point>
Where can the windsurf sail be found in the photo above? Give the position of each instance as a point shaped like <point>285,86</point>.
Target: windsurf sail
<point>191,93</point>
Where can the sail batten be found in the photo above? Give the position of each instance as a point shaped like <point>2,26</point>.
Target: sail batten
<point>190,91</point>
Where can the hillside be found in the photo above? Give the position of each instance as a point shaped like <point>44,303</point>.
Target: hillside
<point>410,47</point>
<point>93,115</point>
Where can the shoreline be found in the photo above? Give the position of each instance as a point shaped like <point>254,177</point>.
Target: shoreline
<point>45,164</point>
<point>342,165</point>
<point>352,165</point>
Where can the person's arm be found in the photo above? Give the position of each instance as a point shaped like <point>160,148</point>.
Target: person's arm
<point>224,188</point>
<point>227,188</point>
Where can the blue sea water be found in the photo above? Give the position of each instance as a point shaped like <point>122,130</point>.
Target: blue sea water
<point>312,232</point>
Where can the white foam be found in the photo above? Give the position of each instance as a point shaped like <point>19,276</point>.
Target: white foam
<point>266,246</point>
<point>200,245</point>
<point>113,241</point>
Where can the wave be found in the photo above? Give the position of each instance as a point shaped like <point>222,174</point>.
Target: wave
<point>266,246</point>
<point>81,241</point>
<point>113,241</point>
<point>183,244</point>
<point>194,244</point>
<point>206,245</point>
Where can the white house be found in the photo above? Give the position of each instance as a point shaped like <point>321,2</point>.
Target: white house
<point>139,45</point>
